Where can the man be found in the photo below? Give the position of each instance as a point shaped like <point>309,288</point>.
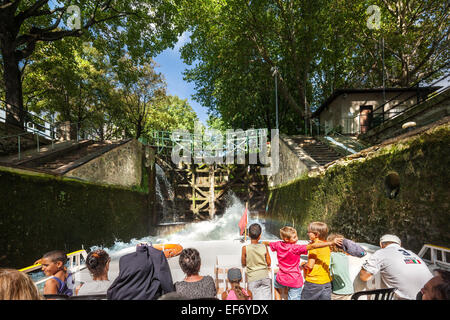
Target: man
<point>438,288</point>
<point>399,268</point>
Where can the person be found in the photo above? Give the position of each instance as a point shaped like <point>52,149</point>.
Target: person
<point>256,259</point>
<point>97,263</point>
<point>61,281</point>
<point>341,284</point>
<point>143,275</point>
<point>16,285</point>
<point>317,269</point>
<point>194,286</point>
<point>437,288</point>
<point>234,276</point>
<point>289,276</point>
<point>399,268</point>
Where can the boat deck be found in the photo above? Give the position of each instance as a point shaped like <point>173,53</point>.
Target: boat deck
<point>226,254</point>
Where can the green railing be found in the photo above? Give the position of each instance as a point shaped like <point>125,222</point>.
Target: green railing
<point>232,141</point>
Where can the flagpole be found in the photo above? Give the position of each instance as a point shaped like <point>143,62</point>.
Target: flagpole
<point>246,220</point>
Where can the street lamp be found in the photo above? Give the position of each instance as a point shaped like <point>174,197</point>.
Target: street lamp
<point>275,74</point>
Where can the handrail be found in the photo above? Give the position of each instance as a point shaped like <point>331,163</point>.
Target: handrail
<point>434,256</point>
<point>74,260</point>
<point>164,139</point>
<point>416,85</point>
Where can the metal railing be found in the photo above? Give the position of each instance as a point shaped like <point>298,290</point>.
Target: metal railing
<point>381,114</point>
<point>75,264</point>
<point>196,144</point>
<point>437,256</point>
<point>40,128</point>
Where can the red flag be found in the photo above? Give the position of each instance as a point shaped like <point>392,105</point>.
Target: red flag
<point>243,222</point>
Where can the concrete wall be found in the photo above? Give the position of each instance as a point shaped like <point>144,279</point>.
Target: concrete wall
<point>41,212</point>
<point>120,166</point>
<point>294,162</point>
<point>351,195</point>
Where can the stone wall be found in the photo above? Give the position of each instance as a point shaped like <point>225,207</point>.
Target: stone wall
<point>41,212</point>
<point>351,195</point>
<point>293,163</point>
<point>119,166</point>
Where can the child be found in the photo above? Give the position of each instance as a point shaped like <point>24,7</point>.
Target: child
<point>236,292</point>
<point>256,258</point>
<point>289,275</point>
<point>61,282</point>
<point>341,284</point>
<point>317,269</point>
<point>97,263</point>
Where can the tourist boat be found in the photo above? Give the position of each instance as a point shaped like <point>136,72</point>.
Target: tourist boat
<point>216,265</point>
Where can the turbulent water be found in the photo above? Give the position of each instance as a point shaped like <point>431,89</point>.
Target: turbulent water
<point>224,227</point>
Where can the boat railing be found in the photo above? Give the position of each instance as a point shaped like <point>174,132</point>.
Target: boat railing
<point>435,256</point>
<point>75,264</point>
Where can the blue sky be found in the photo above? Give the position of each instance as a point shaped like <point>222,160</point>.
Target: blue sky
<point>171,66</point>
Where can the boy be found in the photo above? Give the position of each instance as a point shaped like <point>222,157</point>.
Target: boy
<point>317,269</point>
<point>61,282</point>
<point>256,258</point>
<point>289,275</point>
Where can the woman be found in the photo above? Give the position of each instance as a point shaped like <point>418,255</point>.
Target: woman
<point>16,285</point>
<point>194,286</point>
<point>97,263</point>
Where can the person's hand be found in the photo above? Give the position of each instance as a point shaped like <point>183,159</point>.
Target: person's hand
<point>339,241</point>
<point>266,243</point>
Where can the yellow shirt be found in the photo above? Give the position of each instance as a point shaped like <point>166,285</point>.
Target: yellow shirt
<point>320,273</point>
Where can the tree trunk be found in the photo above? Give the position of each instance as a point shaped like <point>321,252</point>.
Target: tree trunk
<point>15,114</point>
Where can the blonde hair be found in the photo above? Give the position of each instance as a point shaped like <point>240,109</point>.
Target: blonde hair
<point>16,285</point>
<point>287,232</point>
<point>335,248</point>
<point>320,228</point>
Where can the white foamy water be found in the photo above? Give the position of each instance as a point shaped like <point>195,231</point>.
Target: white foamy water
<point>224,227</point>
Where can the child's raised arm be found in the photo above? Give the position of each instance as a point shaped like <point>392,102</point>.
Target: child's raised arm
<point>316,245</point>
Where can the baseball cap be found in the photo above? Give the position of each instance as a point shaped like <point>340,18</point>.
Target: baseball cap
<point>234,274</point>
<point>390,238</point>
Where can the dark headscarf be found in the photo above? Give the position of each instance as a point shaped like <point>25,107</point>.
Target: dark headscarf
<point>143,275</point>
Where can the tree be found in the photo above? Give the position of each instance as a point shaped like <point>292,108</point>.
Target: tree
<point>317,46</point>
<point>141,89</point>
<point>144,26</point>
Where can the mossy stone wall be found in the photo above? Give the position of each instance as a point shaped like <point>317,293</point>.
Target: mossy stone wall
<point>351,195</point>
<point>40,213</point>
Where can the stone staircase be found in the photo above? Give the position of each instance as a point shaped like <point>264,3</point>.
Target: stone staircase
<point>60,161</point>
<point>317,150</point>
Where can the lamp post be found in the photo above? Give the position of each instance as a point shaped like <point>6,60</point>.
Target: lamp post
<point>275,74</point>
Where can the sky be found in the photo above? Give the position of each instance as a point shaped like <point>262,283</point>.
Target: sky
<point>171,66</point>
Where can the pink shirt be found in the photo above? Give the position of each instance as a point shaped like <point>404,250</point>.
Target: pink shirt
<point>288,255</point>
<point>232,295</point>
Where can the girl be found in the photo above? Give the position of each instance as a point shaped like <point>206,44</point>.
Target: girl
<point>97,263</point>
<point>236,292</point>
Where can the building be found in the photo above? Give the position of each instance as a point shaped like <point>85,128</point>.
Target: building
<point>355,111</point>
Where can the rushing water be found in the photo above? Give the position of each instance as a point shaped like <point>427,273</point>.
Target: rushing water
<point>224,227</point>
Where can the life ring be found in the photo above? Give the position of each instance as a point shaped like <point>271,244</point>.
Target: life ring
<point>170,250</point>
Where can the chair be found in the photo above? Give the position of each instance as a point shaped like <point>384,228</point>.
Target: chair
<point>223,263</point>
<point>377,294</point>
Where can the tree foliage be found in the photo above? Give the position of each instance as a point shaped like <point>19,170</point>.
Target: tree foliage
<point>317,47</point>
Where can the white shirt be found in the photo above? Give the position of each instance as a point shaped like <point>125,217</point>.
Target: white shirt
<point>94,287</point>
<point>399,268</point>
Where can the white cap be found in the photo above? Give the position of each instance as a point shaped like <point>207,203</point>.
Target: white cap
<point>390,238</point>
